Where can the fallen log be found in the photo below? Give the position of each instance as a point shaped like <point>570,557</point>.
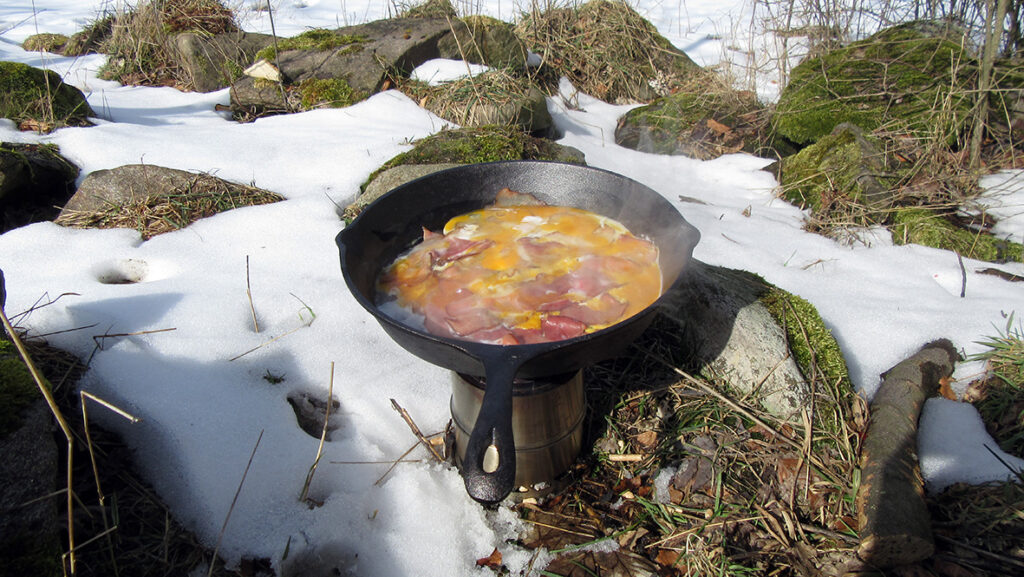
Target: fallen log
<point>895,528</point>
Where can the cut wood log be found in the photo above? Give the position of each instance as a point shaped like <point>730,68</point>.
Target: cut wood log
<point>895,528</point>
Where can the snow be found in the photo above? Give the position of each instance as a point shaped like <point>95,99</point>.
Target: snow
<point>198,384</point>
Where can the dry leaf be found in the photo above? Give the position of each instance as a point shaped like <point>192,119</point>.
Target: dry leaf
<point>946,390</point>
<point>718,127</point>
<point>493,560</point>
<point>668,558</point>
<point>647,440</point>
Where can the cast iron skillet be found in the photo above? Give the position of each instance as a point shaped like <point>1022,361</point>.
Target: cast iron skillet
<point>394,222</point>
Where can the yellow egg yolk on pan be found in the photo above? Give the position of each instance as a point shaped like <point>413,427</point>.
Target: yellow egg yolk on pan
<point>524,274</point>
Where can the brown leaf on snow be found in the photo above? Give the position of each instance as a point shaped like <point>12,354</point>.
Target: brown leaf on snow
<point>493,560</point>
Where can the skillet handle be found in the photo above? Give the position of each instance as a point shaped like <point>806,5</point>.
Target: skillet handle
<point>489,467</point>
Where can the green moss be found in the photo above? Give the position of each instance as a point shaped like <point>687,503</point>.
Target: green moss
<point>431,9</point>
<point>482,144</point>
<point>897,74</point>
<point>839,166</point>
<point>332,92</point>
<point>811,342</point>
<point>47,41</point>
<point>677,115</point>
<point>17,389</point>
<point>317,39</point>
<point>24,96</point>
<point>922,226</point>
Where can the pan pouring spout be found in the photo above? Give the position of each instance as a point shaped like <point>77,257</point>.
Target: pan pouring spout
<point>394,222</point>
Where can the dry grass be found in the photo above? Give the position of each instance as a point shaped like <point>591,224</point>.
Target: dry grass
<point>204,196</point>
<point>460,101</point>
<point>605,49</point>
<point>140,41</point>
<point>749,496</point>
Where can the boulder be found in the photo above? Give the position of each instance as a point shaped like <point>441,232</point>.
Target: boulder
<point>154,199</point>
<point>356,60</point>
<point>699,124</point>
<point>740,330</point>
<point>898,74</point>
<point>493,97</point>
<point>484,40</point>
<point>848,166</point>
<point>214,62</point>
<point>29,541</point>
<point>40,100</point>
<point>33,179</point>
<point>607,50</point>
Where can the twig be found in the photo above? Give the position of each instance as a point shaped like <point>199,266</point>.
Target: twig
<point>982,552</point>
<point>631,458</point>
<point>416,430</point>
<point>52,403</point>
<point>374,462</point>
<point>88,437</point>
<point>323,437</point>
<point>227,517</point>
<point>98,339</point>
<point>395,464</point>
<point>248,292</point>
<point>260,346</point>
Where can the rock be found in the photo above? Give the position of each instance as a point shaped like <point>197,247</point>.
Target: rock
<point>898,74</point>
<point>484,40</point>
<point>360,57</point>
<point>29,538</point>
<point>138,196</point>
<point>393,177</point>
<point>214,62</point>
<point>33,179</point>
<point>493,97</point>
<point>847,166</point>
<point>40,100</point>
<point>46,41</point>
<point>702,125</point>
<point>90,39</point>
<point>729,321</point>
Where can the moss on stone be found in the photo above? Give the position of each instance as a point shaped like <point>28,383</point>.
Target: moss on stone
<point>489,143</point>
<point>811,342</point>
<point>922,226</point>
<point>28,93</point>
<point>17,389</point>
<point>46,41</point>
<point>900,73</point>
<point>317,39</point>
<point>329,92</point>
<point>840,165</point>
<point>431,9</point>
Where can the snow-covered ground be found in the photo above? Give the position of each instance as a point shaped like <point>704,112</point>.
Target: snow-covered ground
<point>202,413</point>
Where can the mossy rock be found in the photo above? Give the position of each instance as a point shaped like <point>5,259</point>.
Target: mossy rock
<point>847,167</point>
<point>327,93</point>
<point>47,42</point>
<point>923,226</point>
<point>606,49</point>
<point>90,39</point>
<point>492,97</point>
<point>481,144</point>
<point>699,124</point>
<point>431,9</point>
<point>812,343</point>
<point>318,39</point>
<point>484,40</point>
<point>18,390</point>
<point>905,74</point>
<point>32,95</point>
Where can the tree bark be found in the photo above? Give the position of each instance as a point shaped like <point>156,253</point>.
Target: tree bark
<point>895,528</point>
